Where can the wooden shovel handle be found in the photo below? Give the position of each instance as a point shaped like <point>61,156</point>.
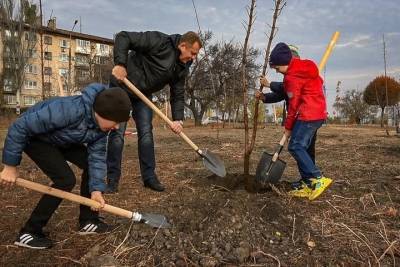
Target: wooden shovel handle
<point>72,197</point>
<point>158,111</point>
<point>328,51</point>
<point>280,147</point>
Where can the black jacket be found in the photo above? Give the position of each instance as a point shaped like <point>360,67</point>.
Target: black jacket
<point>277,94</point>
<point>152,62</point>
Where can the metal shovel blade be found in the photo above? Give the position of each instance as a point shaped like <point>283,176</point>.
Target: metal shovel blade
<point>213,162</point>
<point>269,171</point>
<point>155,220</point>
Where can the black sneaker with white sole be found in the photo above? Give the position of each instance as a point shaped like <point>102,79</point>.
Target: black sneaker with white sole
<point>34,241</point>
<point>95,226</point>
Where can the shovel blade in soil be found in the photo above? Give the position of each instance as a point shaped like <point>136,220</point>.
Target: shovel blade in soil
<point>269,171</point>
<point>213,163</point>
<point>155,220</point>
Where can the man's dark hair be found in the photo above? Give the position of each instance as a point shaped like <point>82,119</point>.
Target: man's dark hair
<point>191,38</point>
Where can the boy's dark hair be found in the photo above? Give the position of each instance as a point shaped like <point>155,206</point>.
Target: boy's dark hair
<point>191,38</point>
<point>113,104</point>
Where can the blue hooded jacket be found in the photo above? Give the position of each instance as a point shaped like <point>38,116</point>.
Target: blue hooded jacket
<point>62,121</point>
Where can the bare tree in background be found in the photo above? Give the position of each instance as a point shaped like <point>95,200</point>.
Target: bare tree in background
<point>251,18</point>
<point>278,7</point>
<point>199,90</point>
<point>19,24</point>
<point>91,68</point>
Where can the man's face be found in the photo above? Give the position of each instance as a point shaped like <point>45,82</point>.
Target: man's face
<point>188,52</point>
<point>106,125</point>
<point>280,69</point>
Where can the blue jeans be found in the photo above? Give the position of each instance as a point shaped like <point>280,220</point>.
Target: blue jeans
<point>303,136</point>
<point>143,117</point>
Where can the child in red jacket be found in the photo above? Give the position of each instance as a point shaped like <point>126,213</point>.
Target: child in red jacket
<point>306,114</point>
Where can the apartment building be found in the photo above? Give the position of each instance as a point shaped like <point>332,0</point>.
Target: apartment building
<point>69,60</point>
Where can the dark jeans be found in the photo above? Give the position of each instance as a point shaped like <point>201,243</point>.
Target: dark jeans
<point>52,161</point>
<point>302,147</point>
<point>143,116</point>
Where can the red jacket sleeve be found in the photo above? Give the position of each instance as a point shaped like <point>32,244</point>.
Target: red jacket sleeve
<point>293,89</point>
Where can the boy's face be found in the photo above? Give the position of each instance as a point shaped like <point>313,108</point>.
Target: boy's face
<point>280,69</point>
<point>106,125</point>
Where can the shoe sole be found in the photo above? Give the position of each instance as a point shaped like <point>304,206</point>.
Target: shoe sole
<point>88,233</point>
<point>305,195</point>
<point>27,246</point>
<point>320,192</point>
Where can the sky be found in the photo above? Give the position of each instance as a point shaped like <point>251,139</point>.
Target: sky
<point>309,24</point>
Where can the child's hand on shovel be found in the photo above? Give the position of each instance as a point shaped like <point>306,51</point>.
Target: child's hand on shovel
<point>288,133</point>
<point>8,175</point>
<point>98,196</point>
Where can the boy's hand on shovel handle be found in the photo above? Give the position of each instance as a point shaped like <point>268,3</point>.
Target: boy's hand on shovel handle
<point>98,196</point>
<point>288,133</point>
<point>8,175</point>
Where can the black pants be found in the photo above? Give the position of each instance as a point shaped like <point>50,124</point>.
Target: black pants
<point>52,160</point>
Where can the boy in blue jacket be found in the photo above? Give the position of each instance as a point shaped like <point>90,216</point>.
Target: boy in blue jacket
<point>58,130</point>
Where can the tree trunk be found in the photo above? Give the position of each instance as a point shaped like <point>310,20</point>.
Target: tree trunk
<point>382,114</point>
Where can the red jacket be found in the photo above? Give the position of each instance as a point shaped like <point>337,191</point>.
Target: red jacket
<point>303,86</point>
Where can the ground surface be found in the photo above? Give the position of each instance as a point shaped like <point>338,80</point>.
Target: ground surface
<point>216,222</point>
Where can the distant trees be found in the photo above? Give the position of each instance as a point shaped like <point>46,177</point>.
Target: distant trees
<point>352,106</point>
<point>19,23</point>
<point>214,80</point>
<point>382,91</point>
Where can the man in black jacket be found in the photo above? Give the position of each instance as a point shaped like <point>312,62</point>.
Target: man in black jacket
<point>150,60</point>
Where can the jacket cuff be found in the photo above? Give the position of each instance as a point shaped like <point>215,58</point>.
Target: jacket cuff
<point>97,187</point>
<point>11,159</point>
<point>275,86</point>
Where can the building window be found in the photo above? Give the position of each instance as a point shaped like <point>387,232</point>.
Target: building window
<point>81,59</point>
<point>8,85</point>
<point>10,99</point>
<point>32,53</point>
<point>48,40</point>
<point>82,74</point>
<point>47,86</point>
<point>64,43</point>
<point>30,84</point>
<point>82,43</point>
<point>32,69</point>
<point>101,60</point>
<point>63,72</point>
<point>47,55</point>
<point>47,71</point>
<point>64,57</point>
<point>29,100</point>
<point>30,36</point>
<point>104,48</point>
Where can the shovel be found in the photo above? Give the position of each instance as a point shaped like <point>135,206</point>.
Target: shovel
<point>270,168</point>
<point>210,160</point>
<point>153,220</point>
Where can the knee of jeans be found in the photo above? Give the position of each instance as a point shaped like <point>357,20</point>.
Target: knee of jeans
<point>146,130</point>
<point>67,183</point>
<point>293,147</point>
